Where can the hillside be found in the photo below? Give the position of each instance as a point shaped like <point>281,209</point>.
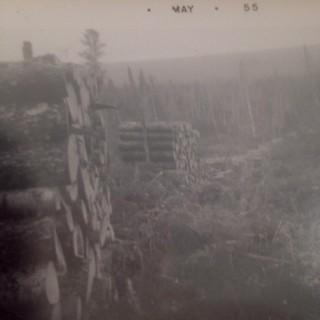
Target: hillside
<point>289,61</point>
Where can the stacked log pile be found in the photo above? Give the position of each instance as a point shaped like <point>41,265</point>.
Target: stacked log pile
<point>54,201</point>
<point>171,145</point>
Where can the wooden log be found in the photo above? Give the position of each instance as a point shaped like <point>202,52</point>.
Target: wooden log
<point>68,217</point>
<point>105,206</point>
<point>130,126</point>
<point>173,145</point>
<point>84,212</point>
<point>74,263</point>
<point>82,130</point>
<point>105,152</point>
<point>19,241</point>
<point>87,121</point>
<point>133,156</point>
<point>98,252</point>
<point>105,202</point>
<point>81,121</point>
<point>93,229</point>
<point>97,119</point>
<point>64,219</point>
<point>73,157</point>
<point>165,127</point>
<point>159,126</point>
<point>155,156</point>
<point>91,274</point>
<point>78,242</point>
<point>80,213</point>
<point>77,72</point>
<point>106,231</point>
<point>98,158</point>
<point>43,165</point>
<point>153,146</point>
<point>161,145</point>
<point>87,247</point>
<point>92,85</point>
<point>29,203</point>
<point>130,136</point>
<point>162,156</point>
<point>95,179</point>
<point>85,185</point>
<point>98,209</point>
<point>93,235</point>
<point>152,136</point>
<point>100,133</point>
<point>31,83</point>
<point>101,106</point>
<point>72,103</point>
<point>60,260</point>
<point>82,143</point>
<point>84,93</point>
<point>34,288</point>
<point>32,123</point>
<point>98,257</point>
<point>108,194</point>
<point>131,146</point>
<point>70,192</point>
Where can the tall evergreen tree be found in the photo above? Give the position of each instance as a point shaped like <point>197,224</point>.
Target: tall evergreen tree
<point>93,49</point>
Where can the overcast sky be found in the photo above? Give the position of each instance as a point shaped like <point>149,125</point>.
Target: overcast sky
<point>131,32</point>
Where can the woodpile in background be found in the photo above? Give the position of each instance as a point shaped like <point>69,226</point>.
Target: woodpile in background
<point>54,201</point>
<point>171,145</point>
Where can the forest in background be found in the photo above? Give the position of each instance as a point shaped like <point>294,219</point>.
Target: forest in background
<point>259,106</point>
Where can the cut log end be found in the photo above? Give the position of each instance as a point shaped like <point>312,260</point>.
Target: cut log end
<point>73,158</point>
<point>52,284</point>
<point>91,273</point>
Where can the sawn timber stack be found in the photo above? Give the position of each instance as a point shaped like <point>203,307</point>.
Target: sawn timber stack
<point>55,203</point>
<point>171,145</point>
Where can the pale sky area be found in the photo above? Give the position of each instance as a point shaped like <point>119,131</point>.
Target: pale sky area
<point>131,32</point>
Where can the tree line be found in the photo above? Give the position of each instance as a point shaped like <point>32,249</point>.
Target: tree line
<point>259,108</point>
<point>244,107</point>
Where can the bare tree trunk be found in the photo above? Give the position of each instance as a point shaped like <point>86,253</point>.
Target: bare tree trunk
<point>244,84</point>
<point>279,98</point>
<point>313,86</point>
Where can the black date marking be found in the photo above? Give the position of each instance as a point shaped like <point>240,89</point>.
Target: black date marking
<point>250,7</point>
<point>182,9</point>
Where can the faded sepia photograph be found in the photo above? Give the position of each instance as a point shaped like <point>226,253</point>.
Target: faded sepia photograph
<point>159,160</point>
